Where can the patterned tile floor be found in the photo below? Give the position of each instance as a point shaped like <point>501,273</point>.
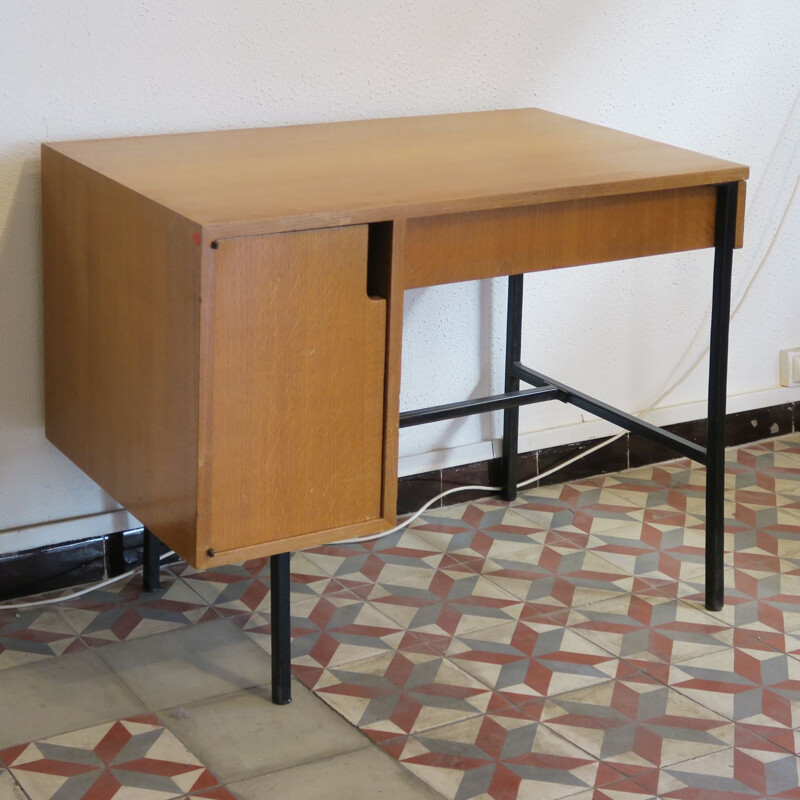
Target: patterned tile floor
<point>554,647</point>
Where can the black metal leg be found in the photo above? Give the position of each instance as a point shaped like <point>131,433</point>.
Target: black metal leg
<point>281,629</point>
<point>151,575</point>
<point>511,415</point>
<point>725,238</point>
<point>115,554</point>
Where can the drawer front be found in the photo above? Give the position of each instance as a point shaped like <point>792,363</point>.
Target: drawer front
<point>296,410</point>
<point>486,244</point>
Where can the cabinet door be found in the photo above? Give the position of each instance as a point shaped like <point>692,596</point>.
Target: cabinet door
<point>296,402</point>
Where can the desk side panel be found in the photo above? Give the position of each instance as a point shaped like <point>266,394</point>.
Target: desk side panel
<point>486,244</point>
<point>121,304</point>
<point>740,209</point>
<point>295,445</point>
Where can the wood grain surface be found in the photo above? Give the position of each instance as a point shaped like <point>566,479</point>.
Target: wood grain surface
<point>273,179</point>
<point>297,378</point>
<point>121,311</point>
<point>486,244</point>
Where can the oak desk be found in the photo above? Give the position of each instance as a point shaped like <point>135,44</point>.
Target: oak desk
<point>223,310</point>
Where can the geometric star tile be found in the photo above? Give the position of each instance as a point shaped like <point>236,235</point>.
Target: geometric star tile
<point>774,588</point>
<point>788,643</point>
<point>734,774</point>
<point>626,789</point>
<point>404,692</point>
<point>760,596</point>
<point>675,493</point>
<point>768,531</point>
<point>33,634</point>
<point>752,502</point>
<point>788,443</point>
<point>328,631</point>
<point>776,467</point>
<point>781,538</point>
<point>788,740</point>
<point>750,543</point>
<point>522,660</point>
<point>553,578</point>
<point>785,481</point>
<point>339,629</point>
<point>446,602</point>
<point>751,684</point>
<point>394,557</point>
<point>783,451</point>
<point>579,507</point>
<point>678,485</point>
<point>632,724</point>
<point>476,531</point>
<point>660,550</point>
<point>123,611</point>
<point>135,757</point>
<point>641,628</point>
<point>239,588</point>
<point>755,522</point>
<point>502,756</point>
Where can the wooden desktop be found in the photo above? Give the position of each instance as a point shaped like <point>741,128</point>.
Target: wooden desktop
<point>223,311</point>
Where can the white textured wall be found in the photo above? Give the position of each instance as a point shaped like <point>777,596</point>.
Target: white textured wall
<point>719,76</point>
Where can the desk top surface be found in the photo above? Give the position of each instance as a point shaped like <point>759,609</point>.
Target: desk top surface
<point>306,176</point>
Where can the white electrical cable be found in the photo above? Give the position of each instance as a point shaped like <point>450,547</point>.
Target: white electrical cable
<point>72,595</point>
<point>417,514</point>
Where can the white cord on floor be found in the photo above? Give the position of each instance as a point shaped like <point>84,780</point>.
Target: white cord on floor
<point>72,595</point>
<point>417,514</point>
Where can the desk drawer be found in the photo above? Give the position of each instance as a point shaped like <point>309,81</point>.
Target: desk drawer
<point>295,419</point>
<point>485,244</point>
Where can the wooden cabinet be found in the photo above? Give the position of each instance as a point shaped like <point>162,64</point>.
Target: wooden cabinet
<point>230,396</point>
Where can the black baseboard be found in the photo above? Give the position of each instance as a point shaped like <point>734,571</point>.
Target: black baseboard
<point>70,563</point>
<point>629,451</point>
<point>59,566</point>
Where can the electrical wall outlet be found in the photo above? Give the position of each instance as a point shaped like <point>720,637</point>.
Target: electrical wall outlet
<point>790,367</point>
